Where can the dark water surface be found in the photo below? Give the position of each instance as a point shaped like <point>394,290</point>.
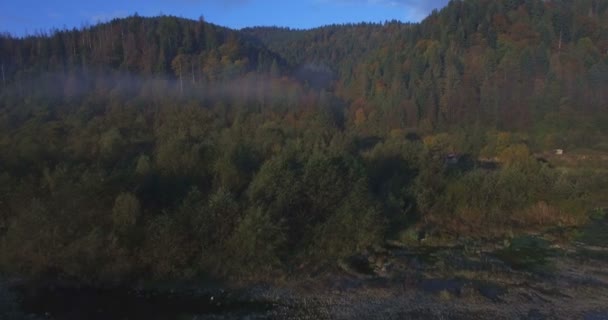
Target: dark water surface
<point>71,303</point>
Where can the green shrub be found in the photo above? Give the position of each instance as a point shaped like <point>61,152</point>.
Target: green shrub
<point>357,224</point>
<point>256,244</point>
<point>126,212</point>
<point>166,251</point>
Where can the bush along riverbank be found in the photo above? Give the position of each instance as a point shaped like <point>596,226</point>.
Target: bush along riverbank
<point>542,276</point>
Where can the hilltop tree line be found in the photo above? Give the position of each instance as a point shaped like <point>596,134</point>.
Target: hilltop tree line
<point>170,148</point>
<point>537,66</point>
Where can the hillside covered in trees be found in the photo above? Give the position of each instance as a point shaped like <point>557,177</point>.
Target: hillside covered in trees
<point>168,148</point>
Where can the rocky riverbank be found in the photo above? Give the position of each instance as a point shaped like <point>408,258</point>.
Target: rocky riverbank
<point>527,277</point>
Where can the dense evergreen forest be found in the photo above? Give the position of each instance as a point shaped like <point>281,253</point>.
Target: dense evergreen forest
<point>169,148</point>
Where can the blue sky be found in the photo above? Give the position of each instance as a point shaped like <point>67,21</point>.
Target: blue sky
<point>22,17</point>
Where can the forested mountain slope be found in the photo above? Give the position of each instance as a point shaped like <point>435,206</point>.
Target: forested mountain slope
<point>526,65</point>
<point>145,46</point>
<point>510,64</point>
<point>170,148</point>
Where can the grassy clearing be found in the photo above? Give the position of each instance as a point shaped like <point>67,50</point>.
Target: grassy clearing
<point>595,232</point>
<point>527,253</point>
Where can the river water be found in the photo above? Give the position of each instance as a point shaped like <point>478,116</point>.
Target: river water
<point>77,303</point>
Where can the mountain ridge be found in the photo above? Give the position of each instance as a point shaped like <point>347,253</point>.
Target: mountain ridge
<point>472,61</point>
